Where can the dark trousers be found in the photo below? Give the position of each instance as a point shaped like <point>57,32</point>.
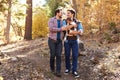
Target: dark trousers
<point>55,52</point>
<point>71,45</point>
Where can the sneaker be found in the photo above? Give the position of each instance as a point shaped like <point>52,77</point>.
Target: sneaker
<point>76,74</point>
<point>67,72</point>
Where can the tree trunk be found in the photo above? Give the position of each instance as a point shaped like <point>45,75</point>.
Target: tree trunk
<point>7,29</point>
<point>28,23</point>
<point>75,6</point>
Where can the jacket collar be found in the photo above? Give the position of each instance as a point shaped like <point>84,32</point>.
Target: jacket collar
<point>55,17</point>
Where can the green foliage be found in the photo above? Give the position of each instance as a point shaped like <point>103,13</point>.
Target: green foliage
<point>3,6</point>
<point>53,5</point>
<point>107,37</point>
<point>40,24</point>
<point>112,25</point>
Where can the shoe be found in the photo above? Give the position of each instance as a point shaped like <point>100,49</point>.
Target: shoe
<point>58,74</point>
<point>76,74</point>
<point>67,72</point>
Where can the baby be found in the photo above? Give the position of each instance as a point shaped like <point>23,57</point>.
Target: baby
<point>70,22</point>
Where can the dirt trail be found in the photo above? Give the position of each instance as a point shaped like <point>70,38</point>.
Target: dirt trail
<point>29,60</point>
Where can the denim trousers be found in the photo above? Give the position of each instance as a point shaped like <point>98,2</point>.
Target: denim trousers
<point>55,54</point>
<point>71,45</point>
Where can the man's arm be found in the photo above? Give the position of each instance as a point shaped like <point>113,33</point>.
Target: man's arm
<point>52,28</point>
<point>80,30</point>
<point>80,27</point>
<point>67,27</point>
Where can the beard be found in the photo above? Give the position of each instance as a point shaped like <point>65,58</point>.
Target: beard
<point>60,17</point>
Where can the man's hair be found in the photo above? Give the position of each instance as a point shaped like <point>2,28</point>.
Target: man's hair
<point>69,19</point>
<point>57,11</point>
<point>73,12</point>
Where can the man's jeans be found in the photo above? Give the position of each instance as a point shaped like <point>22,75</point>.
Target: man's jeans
<point>55,52</point>
<point>71,44</point>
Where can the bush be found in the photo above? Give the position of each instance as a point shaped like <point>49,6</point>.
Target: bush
<point>112,25</point>
<point>40,24</point>
<point>107,37</point>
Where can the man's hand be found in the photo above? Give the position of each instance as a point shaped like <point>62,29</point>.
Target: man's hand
<point>74,24</point>
<point>74,33</point>
<point>69,27</point>
<point>64,28</point>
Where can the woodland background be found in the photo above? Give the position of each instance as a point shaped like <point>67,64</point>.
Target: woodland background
<point>16,18</point>
<point>24,52</point>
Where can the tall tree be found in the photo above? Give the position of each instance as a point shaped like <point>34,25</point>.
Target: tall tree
<point>28,24</point>
<point>53,5</point>
<point>7,30</point>
<point>75,5</point>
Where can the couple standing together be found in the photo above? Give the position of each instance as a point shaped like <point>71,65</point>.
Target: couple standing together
<point>69,31</point>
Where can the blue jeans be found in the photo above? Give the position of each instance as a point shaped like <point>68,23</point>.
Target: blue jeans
<point>55,52</point>
<point>71,45</point>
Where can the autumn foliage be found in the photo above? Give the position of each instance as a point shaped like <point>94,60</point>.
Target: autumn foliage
<point>40,24</point>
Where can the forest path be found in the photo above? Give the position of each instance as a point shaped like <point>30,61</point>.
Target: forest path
<point>29,60</point>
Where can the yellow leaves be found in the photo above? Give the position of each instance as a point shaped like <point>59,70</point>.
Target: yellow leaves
<point>100,12</point>
<point>40,25</point>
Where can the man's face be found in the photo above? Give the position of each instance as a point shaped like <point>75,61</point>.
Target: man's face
<point>60,14</point>
<point>69,14</point>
